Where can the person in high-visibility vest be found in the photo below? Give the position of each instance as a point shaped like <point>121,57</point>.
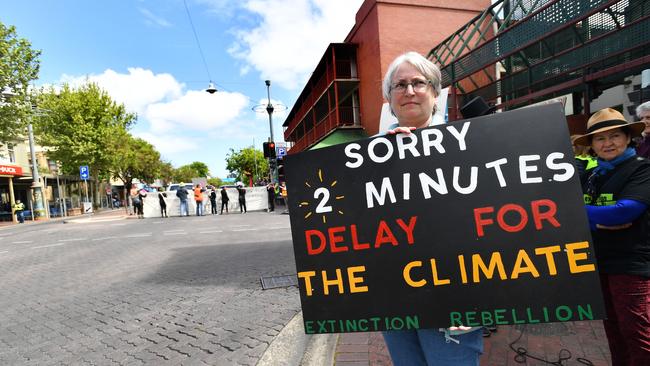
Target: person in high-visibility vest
<point>283,193</point>
<point>19,208</point>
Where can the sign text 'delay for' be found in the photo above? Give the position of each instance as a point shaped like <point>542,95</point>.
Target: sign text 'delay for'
<point>474,222</point>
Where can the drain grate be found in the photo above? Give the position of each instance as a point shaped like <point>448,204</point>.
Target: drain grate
<point>269,282</point>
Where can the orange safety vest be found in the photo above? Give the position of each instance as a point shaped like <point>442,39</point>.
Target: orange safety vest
<point>198,197</point>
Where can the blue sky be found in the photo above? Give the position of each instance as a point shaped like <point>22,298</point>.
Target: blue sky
<point>144,54</point>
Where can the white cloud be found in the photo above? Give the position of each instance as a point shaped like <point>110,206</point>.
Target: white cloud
<point>136,90</point>
<point>292,36</point>
<point>196,110</point>
<point>153,19</point>
<point>169,144</point>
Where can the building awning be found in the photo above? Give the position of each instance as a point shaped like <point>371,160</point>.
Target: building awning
<point>340,136</point>
<point>11,170</point>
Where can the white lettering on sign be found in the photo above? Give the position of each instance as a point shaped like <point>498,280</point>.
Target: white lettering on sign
<point>8,169</point>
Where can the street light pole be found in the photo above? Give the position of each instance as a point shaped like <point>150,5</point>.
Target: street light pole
<point>269,110</point>
<point>39,209</point>
<point>269,106</point>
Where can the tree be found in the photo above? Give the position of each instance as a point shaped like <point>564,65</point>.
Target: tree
<point>185,173</point>
<point>79,127</point>
<point>247,162</point>
<point>201,169</point>
<point>217,182</point>
<point>19,65</point>
<point>166,172</point>
<point>133,158</point>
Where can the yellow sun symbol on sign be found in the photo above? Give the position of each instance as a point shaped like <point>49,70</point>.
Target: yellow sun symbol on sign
<point>322,196</point>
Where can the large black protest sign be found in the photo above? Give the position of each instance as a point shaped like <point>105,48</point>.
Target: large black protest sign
<point>475,222</point>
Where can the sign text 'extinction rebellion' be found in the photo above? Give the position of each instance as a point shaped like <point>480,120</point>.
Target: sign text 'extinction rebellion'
<point>476,222</point>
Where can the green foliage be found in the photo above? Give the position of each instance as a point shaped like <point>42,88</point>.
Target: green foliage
<point>166,173</point>
<point>82,127</point>
<point>217,182</point>
<point>247,162</point>
<point>185,173</point>
<point>19,65</point>
<point>133,158</point>
<point>200,168</point>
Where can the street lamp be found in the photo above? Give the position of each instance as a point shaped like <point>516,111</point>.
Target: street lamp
<point>269,107</point>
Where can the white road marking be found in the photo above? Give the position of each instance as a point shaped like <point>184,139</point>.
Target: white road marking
<point>6,251</point>
<point>244,229</point>
<point>106,238</point>
<point>23,242</point>
<point>138,235</point>
<point>239,225</point>
<point>157,222</point>
<point>175,233</point>
<point>75,239</point>
<point>118,224</point>
<point>279,227</point>
<point>47,246</point>
<point>211,231</point>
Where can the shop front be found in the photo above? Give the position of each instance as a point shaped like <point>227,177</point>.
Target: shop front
<point>9,190</point>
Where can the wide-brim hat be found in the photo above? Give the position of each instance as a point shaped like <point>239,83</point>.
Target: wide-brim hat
<point>605,120</point>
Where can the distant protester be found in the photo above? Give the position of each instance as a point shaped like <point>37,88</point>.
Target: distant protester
<point>224,199</point>
<point>242,198</point>
<point>198,198</point>
<point>162,196</point>
<point>181,193</point>
<point>213,201</point>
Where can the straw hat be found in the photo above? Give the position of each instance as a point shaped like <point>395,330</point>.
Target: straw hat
<point>605,120</point>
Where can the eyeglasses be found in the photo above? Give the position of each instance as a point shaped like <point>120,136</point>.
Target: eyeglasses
<point>418,86</point>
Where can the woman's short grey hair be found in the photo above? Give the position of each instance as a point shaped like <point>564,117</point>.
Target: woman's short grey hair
<point>424,66</point>
<point>645,107</point>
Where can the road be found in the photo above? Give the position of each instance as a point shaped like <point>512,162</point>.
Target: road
<point>183,290</point>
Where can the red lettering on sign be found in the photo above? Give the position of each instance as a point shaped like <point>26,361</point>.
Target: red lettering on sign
<point>542,210</point>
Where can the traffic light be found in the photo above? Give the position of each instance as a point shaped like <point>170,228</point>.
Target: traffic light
<point>269,149</point>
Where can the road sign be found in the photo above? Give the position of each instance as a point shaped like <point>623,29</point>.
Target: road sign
<point>84,172</point>
<point>281,151</point>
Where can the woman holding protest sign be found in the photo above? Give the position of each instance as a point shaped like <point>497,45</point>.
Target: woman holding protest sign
<point>617,195</point>
<point>411,86</point>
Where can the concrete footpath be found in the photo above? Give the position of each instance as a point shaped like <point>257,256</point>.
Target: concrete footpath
<point>572,343</point>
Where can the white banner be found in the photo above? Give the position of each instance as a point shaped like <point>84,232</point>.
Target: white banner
<point>256,200</point>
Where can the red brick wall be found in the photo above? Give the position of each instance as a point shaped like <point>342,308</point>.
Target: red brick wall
<point>386,29</point>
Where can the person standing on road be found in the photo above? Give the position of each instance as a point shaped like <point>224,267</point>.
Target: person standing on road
<point>163,204</point>
<point>213,201</point>
<point>411,87</point>
<point>284,194</point>
<point>224,199</point>
<point>135,199</point>
<point>181,193</point>
<point>19,208</point>
<point>198,198</point>
<point>242,198</point>
<point>270,189</point>
<point>141,195</point>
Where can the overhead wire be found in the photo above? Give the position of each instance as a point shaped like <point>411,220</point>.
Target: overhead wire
<point>196,37</point>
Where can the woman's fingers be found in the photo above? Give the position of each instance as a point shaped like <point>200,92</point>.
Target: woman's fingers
<point>397,130</point>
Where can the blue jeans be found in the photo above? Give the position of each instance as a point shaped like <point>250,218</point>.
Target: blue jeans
<point>428,347</point>
<point>184,208</point>
<point>199,208</point>
<point>21,216</point>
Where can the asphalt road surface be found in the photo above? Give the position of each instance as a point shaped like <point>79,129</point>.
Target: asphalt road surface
<point>176,291</point>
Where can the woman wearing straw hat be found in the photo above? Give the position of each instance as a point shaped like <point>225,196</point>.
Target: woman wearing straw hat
<point>617,197</point>
<point>411,86</point>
